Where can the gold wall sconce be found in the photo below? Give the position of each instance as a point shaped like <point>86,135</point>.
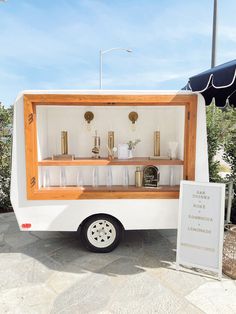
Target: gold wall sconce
<point>133,117</point>
<point>88,116</point>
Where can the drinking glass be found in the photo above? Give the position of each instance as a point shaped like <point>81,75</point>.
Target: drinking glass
<point>79,179</point>
<point>109,176</point>
<point>125,177</point>
<point>46,178</point>
<point>95,177</point>
<point>173,149</point>
<point>62,177</point>
<point>171,176</point>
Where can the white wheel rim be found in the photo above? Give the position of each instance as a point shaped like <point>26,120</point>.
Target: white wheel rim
<point>101,233</point>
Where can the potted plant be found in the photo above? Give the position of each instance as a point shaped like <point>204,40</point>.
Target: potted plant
<point>131,147</point>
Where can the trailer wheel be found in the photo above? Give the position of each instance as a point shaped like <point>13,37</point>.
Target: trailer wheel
<point>101,233</point>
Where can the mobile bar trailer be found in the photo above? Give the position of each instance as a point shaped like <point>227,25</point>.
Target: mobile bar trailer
<point>61,184</point>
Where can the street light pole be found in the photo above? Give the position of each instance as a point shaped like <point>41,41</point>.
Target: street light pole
<point>214,34</point>
<point>101,53</point>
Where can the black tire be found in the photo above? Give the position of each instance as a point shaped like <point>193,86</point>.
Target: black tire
<point>101,233</point>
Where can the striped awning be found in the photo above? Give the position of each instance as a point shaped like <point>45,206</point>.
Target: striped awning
<point>218,82</point>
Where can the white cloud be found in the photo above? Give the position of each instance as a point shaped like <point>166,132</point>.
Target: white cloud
<point>227,33</point>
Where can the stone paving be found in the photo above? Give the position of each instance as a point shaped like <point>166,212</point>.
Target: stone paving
<point>50,272</point>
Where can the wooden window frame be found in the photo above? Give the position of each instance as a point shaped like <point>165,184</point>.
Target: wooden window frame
<point>31,101</point>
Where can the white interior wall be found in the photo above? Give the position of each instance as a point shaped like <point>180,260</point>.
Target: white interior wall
<point>42,137</point>
<point>42,134</point>
<point>51,120</point>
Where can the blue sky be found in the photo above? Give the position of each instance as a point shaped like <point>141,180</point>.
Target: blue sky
<point>55,44</point>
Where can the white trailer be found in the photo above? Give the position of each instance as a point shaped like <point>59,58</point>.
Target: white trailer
<point>100,213</point>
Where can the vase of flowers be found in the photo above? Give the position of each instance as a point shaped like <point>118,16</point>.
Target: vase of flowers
<point>131,147</point>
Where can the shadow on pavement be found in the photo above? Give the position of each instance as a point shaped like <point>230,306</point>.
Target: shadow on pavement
<point>63,251</point>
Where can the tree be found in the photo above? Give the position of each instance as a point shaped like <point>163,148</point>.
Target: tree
<point>221,134</point>
<point>230,153</point>
<point>215,134</point>
<point>6,115</point>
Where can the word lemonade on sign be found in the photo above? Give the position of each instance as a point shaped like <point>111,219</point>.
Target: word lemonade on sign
<point>199,203</point>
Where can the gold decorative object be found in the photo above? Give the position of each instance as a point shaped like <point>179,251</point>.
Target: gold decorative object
<point>138,177</point>
<point>63,157</point>
<point>159,157</point>
<point>96,148</point>
<point>157,143</point>
<point>229,251</point>
<point>133,116</point>
<point>64,148</point>
<point>88,116</point>
<point>64,143</point>
<point>111,144</point>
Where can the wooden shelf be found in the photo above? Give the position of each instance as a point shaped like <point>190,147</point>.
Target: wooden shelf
<point>104,192</point>
<point>142,161</point>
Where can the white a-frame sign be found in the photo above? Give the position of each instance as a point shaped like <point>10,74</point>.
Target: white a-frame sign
<point>201,226</point>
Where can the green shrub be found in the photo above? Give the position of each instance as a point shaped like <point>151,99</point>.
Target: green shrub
<point>5,156</point>
<point>230,154</point>
<point>221,134</point>
<point>214,140</point>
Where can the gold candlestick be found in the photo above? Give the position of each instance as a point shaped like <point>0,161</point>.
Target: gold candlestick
<point>157,143</point>
<point>64,143</point>
<point>111,143</point>
<point>64,148</point>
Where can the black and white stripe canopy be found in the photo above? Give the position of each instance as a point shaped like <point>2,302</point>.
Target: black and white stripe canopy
<point>218,82</point>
